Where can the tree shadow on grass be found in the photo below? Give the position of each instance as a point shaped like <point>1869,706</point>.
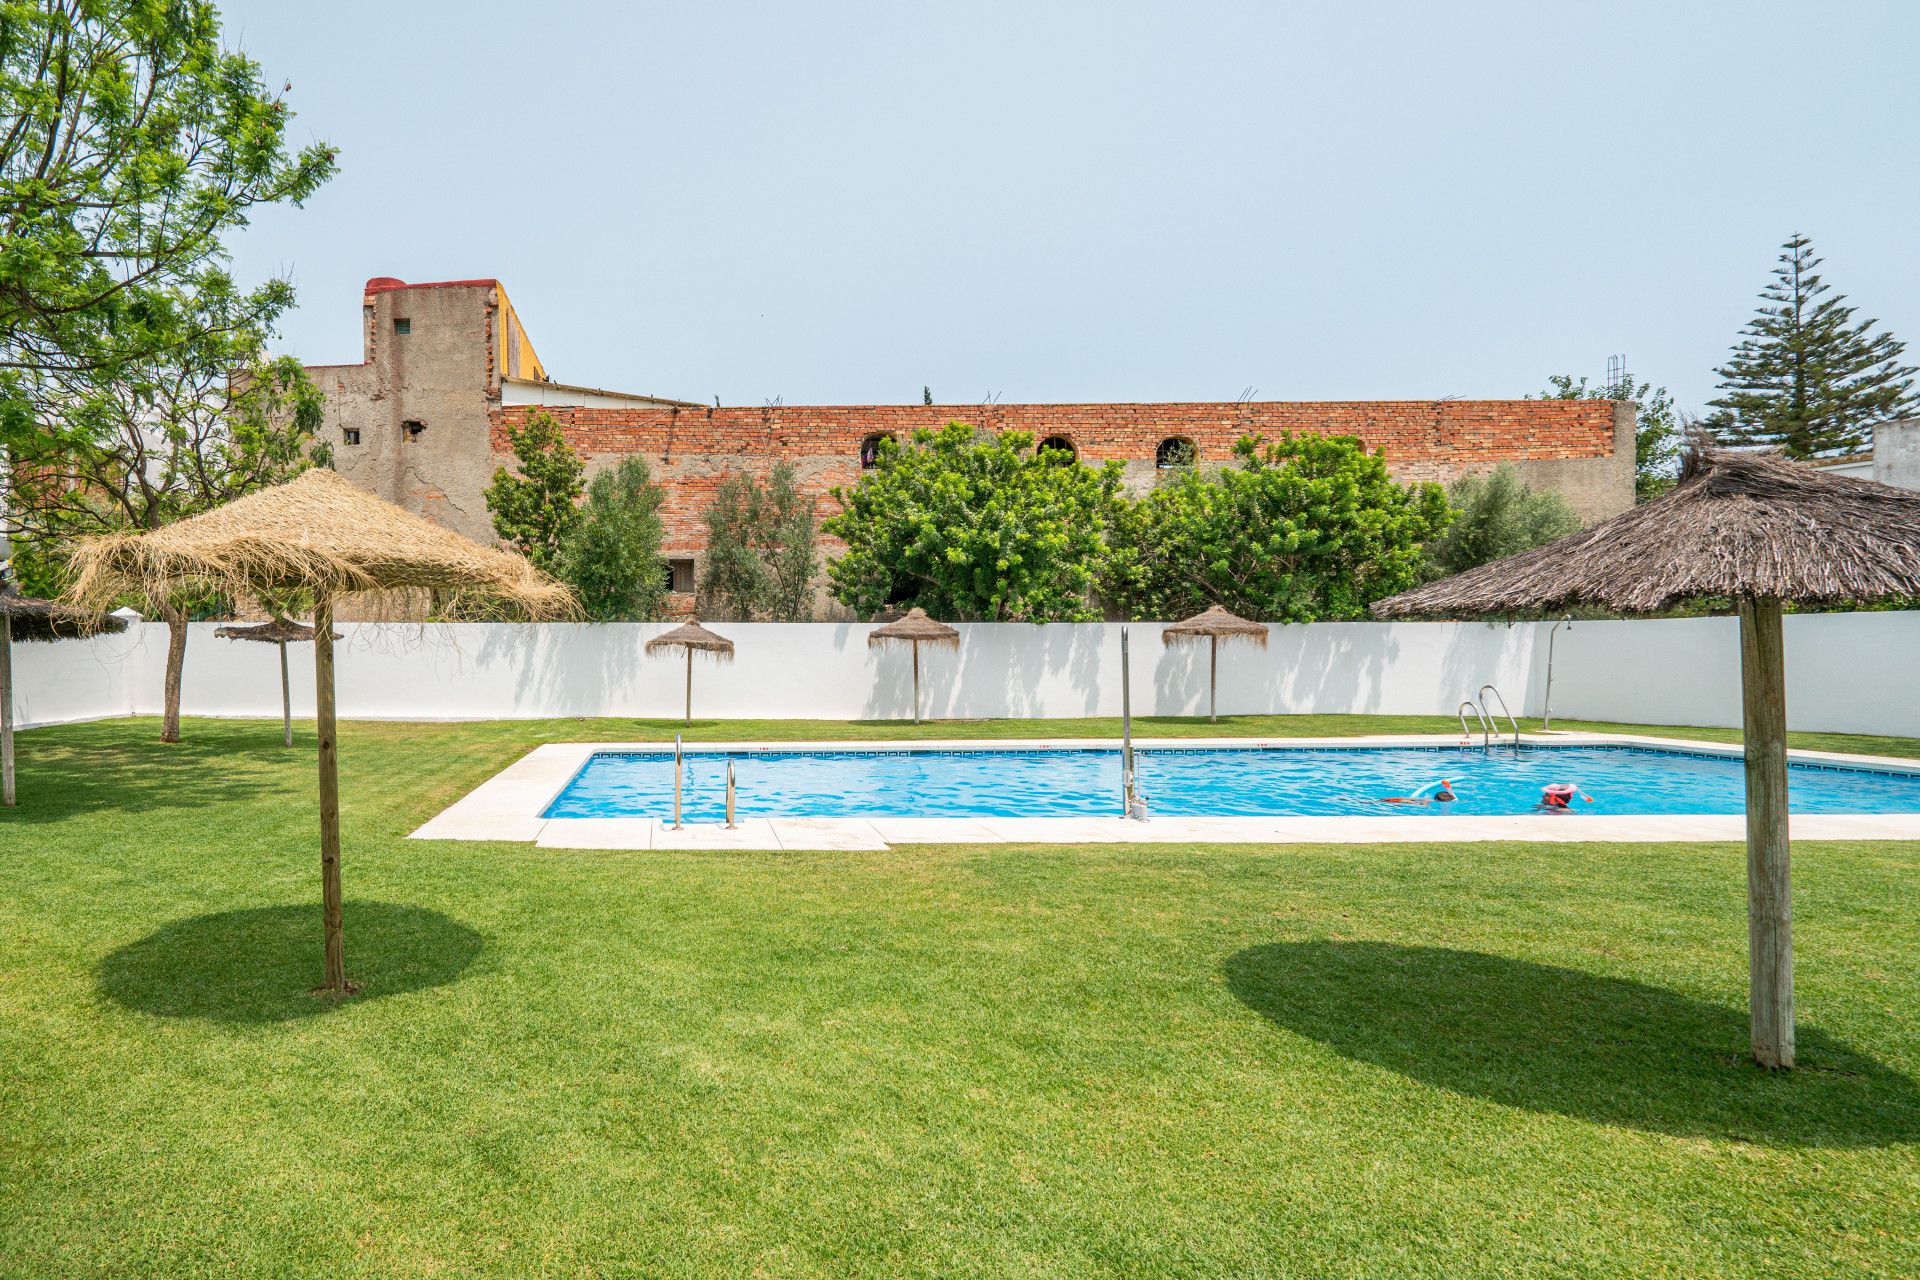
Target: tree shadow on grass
<point>116,765</point>
<point>261,965</point>
<point>1558,1040</point>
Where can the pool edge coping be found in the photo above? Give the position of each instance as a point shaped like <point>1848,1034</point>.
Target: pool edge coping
<point>507,806</point>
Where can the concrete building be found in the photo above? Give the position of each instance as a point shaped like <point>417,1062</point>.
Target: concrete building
<point>422,421</point>
<point>1894,459</point>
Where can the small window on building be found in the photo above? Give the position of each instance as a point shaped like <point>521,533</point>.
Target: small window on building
<point>403,326</point>
<point>680,576</point>
<point>1175,451</point>
<point>870,450</point>
<point>1057,449</point>
<point>412,428</point>
<point>350,435</point>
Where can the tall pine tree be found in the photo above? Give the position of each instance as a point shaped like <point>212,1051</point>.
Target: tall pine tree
<point>1806,378</point>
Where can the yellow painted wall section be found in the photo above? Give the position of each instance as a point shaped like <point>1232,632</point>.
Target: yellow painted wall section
<point>516,356</point>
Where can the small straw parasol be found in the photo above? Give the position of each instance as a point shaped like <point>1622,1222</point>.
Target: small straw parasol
<point>1213,626</point>
<point>694,638</point>
<point>1764,532</point>
<point>915,629</point>
<point>320,534</point>
<point>27,619</point>
<point>281,632</point>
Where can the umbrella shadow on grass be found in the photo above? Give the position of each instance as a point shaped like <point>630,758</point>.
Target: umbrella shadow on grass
<point>261,965</point>
<point>1549,1039</point>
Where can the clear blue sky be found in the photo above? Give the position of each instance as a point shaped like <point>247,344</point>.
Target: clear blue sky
<point>838,203</point>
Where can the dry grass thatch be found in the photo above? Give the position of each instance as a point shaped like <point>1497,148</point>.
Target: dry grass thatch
<point>1213,624</point>
<point>916,626</point>
<point>32,619</point>
<point>694,638</point>
<point>1748,525</point>
<point>278,631</point>
<point>319,532</point>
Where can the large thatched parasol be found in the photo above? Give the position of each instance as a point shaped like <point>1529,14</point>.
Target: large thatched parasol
<point>694,638</point>
<point>915,629</point>
<point>280,632</point>
<point>25,618</point>
<point>319,534</point>
<point>1213,626</point>
<point>1761,531</point>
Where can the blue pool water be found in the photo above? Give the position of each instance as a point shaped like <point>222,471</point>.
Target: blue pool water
<point>1201,782</point>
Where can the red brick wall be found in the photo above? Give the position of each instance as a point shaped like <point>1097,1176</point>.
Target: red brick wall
<point>692,450</point>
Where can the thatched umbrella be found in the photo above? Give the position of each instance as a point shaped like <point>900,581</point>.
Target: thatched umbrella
<point>915,629</point>
<point>318,534</point>
<point>694,638</point>
<point>25,618</point>
<point>1761,531</point>
<point>281,632</point>
<point>1213,626</point>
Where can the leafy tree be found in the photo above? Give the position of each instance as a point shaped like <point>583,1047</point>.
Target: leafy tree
<point>535,512</point>
<point>1658,432</point>
<point>611,559</point>
<point>1303,529</point>
<point>973,526</point>
<point>172,435</point>
<point>760,561</point>
<point>131,143</point>
<point>1806,378</point>
<point>1497,515</point>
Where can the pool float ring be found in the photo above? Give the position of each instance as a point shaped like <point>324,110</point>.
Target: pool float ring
<point>1558,795</point>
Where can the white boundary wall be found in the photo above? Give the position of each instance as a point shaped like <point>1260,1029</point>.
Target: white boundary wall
<point>1846,672</point>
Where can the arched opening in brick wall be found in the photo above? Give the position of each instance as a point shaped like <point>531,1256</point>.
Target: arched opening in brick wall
<point>1058,449</point>
<point>1176,451</point>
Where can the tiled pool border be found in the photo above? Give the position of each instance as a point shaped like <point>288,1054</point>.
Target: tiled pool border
<point>508,806</point>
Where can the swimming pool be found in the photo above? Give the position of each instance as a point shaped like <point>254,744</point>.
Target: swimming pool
<point>1203,781</point>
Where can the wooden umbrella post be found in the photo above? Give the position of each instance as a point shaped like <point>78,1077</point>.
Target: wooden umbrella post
<point>689,714</point>
<point>329,795</point>
<point>1769,870</point>
<point>916,682</point>
<point>1213,680</point>
<point>6,709</point>
<point>286,698</point>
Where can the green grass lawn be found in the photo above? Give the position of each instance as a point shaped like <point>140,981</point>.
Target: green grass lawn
<point>1446,1060</point>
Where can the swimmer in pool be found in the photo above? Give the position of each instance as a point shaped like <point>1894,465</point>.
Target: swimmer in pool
<point>1557,797</point>
<point>1444,795</point>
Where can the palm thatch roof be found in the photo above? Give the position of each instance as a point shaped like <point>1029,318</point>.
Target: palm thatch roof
<point>1215,623</point>
<point>278,631</point>
<point>1739,524</point>
<point>916,625</point>
<point>317,531</point>
<point>33,619</point>
<point>693,637</point>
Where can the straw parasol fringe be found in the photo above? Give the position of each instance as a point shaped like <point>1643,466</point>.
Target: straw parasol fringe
<point>693,638</point>
<point>1765,532</point>
<point>1213,625</point>
<point>916,629</point>
<point>316,533</point>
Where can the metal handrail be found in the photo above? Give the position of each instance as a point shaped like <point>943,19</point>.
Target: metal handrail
<point>677,765</point>
<point>729,795</point>
<point>1486,689</point>
<point>1486,726</point>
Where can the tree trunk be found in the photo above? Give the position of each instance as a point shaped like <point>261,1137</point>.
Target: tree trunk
<point>6,709</point>
<point>176,659</point>
<point>286,699</point>
<point>329,796</point>
<point>1769,872</point>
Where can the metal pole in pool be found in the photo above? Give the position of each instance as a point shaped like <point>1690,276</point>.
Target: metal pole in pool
<point>1126,730</point>
<point>729,795</point>
<point>676,782</point>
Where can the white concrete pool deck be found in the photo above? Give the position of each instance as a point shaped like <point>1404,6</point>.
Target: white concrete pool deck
<point>508,807</point>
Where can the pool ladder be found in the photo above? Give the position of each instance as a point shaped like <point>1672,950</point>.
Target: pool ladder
<point>680,774</point>
<point>1487,723</point>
